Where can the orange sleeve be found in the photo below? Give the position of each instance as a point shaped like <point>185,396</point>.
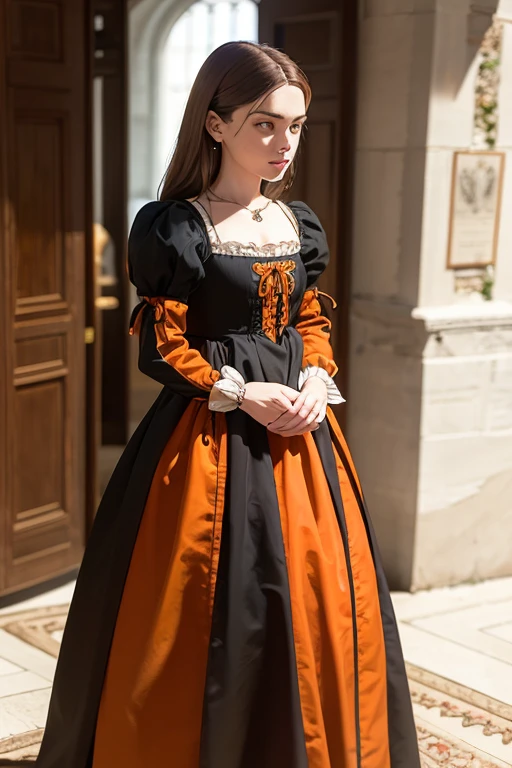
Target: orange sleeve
<point>315,329</point>
<point>170,326</point>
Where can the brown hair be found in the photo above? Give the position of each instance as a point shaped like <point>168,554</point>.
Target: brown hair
<point>234,74</point>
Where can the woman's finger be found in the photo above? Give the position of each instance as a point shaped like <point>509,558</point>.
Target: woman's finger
<point>287,418</point>
<point>299,402</point>
<point>300,422</point>
<point>293,432</point>
<point>292,422</point>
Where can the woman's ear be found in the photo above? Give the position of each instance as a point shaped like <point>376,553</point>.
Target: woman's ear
<point>213,125</point>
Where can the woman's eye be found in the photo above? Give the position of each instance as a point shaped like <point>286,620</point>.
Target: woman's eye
<point>267,124</point>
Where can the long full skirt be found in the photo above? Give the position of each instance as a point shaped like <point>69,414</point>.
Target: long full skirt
<point>238,614</point>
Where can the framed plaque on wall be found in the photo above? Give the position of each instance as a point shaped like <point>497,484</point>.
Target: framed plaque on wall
<point>477,178</point>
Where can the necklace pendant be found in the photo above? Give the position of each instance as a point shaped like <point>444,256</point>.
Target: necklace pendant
<point>256,216</point>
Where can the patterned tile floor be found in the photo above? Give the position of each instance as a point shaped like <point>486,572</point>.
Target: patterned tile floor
<point>457,643</point>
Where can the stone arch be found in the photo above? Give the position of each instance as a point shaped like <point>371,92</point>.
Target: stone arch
<point>150,22</point>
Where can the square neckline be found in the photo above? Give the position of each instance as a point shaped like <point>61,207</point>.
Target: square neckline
<point>249,249</point>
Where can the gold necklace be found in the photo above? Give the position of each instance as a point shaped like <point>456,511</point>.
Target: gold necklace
<point>256,213</point>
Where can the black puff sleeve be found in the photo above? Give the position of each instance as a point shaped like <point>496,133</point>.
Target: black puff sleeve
<point>166,250</point>
<point>312,322</point>
<point>314,249</point>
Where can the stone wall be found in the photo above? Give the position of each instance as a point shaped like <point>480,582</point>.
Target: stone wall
<point>430,403</point>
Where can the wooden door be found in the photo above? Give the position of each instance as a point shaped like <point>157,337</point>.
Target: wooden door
<point>321,37</point>
<point>110,65</point>
<point>45,230</point>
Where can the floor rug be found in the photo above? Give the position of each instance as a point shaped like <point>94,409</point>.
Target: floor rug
<point>479,715</point>
<point>43,627</point>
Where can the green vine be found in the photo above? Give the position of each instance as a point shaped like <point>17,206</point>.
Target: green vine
<point>488,282</point>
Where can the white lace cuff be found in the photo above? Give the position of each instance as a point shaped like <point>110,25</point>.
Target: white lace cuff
<point>227,393</point>
<point>333,393</point>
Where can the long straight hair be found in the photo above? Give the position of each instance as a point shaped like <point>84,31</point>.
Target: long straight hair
<point>234,74</point>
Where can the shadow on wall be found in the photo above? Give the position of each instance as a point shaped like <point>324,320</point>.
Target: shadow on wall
<point>478,21</point>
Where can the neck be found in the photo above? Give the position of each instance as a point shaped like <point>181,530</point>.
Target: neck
<point>235,183</point>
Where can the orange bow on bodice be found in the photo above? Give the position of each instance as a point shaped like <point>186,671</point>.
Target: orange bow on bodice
<point>275,287</point>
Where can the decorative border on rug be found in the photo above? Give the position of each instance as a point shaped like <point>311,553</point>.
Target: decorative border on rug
<point>36,626</point>
<point>21,746</point>
<point>459,691</point>
<point>454,700</point>
<point>438,750</point>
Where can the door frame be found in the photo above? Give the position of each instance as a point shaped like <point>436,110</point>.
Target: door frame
<point>5,310</point>
<point>108,387</point>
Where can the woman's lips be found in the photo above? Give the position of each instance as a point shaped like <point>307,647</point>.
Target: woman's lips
<point>280,164</point>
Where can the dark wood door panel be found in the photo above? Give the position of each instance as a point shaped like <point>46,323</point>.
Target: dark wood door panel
<point>44,232</point>
<point>45,43</point>
<point>111,66</point>
<point>40,525</point>
<point>45,530</point>
<point>39,201</point>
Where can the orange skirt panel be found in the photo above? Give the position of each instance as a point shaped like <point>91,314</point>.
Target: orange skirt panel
<point>321,605</point>
<point>151,705</point>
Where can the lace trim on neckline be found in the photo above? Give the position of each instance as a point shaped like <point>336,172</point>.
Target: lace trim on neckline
<point>237,248</point>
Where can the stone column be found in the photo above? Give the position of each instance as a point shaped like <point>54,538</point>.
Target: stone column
<point>430,403</point>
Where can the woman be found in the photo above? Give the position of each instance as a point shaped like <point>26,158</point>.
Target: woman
<point>231,610</point>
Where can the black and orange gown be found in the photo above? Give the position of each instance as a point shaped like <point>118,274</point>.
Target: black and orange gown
<point>231,610</point>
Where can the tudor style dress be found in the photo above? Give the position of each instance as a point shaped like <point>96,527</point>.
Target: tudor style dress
<point>231,610</point>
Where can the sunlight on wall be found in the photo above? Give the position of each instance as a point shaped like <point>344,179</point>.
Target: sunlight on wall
<point>202,28</point>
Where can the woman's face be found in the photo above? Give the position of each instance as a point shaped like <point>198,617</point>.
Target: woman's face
<point>262,134</point>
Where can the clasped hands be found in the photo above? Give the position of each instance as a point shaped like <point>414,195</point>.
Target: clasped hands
<point>285,410</point>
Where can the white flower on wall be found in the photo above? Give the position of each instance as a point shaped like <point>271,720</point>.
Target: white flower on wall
<point>487,87</point>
